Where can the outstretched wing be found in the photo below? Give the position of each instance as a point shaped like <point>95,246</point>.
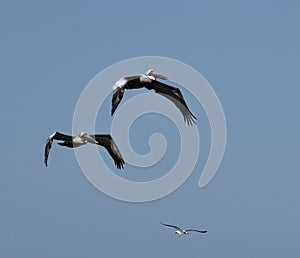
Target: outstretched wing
<point>195,230</point>
<point>174,95</point>
<point>116,99</point>
<point>54,136</point>
<point>177,228</point>
<point>109,144</point>
<point>129,82</point>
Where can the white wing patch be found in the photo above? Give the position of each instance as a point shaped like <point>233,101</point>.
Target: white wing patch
<point>146,78</point>
<point>120,83</point>
<point>52,135</point>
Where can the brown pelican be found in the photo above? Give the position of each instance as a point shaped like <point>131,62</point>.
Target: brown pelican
<point>182,231</point>
<point>149,82</point>
<point>104,140</point>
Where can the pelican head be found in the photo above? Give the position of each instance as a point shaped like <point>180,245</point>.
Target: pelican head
<point>87,137</point>
<point>155,74</point>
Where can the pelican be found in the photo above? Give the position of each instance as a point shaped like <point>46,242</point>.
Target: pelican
<point>149,82</point>
<point>180,231</point>
<point>104,140</point>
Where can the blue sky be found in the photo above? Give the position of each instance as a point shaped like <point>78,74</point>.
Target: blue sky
<point>248,51</point>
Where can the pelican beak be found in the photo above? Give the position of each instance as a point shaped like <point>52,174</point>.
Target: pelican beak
<point>91,139</point>
<point>158,75</point>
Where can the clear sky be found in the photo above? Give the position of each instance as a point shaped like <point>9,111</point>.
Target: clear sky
<point>247,50</point>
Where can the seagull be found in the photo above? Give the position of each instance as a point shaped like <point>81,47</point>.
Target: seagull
<point>149,82</point>
<point>182,231</point>
<point>104,140</point>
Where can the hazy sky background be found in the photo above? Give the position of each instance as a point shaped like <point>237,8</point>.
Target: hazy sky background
<point>248,51</point>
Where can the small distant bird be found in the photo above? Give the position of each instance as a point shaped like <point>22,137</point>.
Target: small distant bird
<point>149,82</point>
<point>104,140</point>
<point>182,231</point>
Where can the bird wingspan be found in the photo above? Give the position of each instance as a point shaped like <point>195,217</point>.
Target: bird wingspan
<point>109,144</point>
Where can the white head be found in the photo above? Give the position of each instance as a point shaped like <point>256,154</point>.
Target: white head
<point>82,134</point>
<point>155,74</point>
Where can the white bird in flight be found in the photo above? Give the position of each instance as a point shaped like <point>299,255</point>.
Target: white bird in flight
<point>180,231</point>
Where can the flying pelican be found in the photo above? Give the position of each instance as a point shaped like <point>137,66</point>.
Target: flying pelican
<point>149,82</point>
<point>182,231</point>
<point>104,140</point>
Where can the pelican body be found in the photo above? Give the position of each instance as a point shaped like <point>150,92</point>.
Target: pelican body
<point>149,82</point>
<point>83,138</point>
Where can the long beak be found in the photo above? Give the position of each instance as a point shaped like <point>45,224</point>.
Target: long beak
<point>158,75</point>
<point>91,139</point>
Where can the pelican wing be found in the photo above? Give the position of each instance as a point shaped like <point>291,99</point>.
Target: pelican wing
<point>133,82</point>
<point>174,95</point>
<point>116,99</point>
<point>195,230</point>
<point>130,82</point>
<point>109,144</point>
<point>54,136</point>
<point>177,228</point>
<point>61,136</point>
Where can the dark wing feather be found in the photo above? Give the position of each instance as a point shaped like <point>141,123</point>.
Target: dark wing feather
<point>109,144</point>
<point>130,82</point>
<point>194,230</point>
<point>61,136</point>
<point>174,95</point>
<point>54,136</point>
<point>177,228</point>
<point>133,82</point>
<point>47,150</point>
<point>116,99</point>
